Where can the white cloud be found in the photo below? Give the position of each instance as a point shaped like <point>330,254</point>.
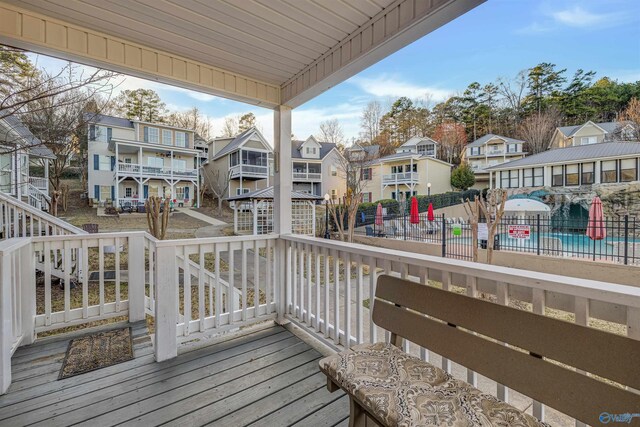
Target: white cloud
<point>576,16</point>
<point>386,85</point>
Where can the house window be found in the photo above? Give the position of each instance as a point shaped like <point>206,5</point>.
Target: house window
<point>475,151</point>
<point>571,175</point>
<point>102,133</point>
<point>128,192</point>
<point>179,165</point>
<point>366,198</point>
<point>504,179</point>
<point>586,140</point>
<point>5,173</point>
<point>334,193</point>
<point>181,139</point>
<point>240,191</point>
<point>155,162</point>
<point>166,137</point>
<point>127,160</point>
<point>105,192</point>
<point>180,193</point>
<point>410,168</point>
<point>105,163</point>
<point>234,158</point>
<point>528,177</point>
<point>366,174</point>
<point>426,149</point>
<point>628,170</point>
<point>609,171</point>
<point>514,178</point>
<point>557,176</point>
<point>587,176</point>
<point>538,177</point>
<point>334,171</point>
<point>152,134</point>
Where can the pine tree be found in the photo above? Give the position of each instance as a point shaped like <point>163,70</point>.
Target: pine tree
<point>141,104</point>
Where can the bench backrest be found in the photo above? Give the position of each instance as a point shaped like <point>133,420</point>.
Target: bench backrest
<point>473,332</point>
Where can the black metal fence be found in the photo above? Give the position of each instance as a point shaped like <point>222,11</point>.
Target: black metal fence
<point>537,234</point>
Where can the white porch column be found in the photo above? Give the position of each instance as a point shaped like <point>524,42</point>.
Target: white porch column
<point>283,170</point>
<point>255,217</point>
<point>46,175</point>
<point>117,180</point>
<point>597,172</point>
<point>490,180</point>
<point>282,184</point>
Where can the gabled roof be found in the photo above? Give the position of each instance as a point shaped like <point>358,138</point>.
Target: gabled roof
<point>607,127</point>
<point>325,148</point>
<point>29,140</point>
<point>574,154</point>
<point>406,155</point>
<point>267,193</point>
<point>104,120</point>
<point>237,142</point>
<point>486,138</point>
<point>413,141</point>
<point>371,150</point>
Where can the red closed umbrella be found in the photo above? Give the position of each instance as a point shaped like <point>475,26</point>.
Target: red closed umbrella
<point>596,229</point>
<point>379,219</point>
<point>414,217</point>
<point>430,215</point>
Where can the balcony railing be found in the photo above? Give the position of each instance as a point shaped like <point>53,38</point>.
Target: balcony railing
<point>215,285</point>
<point>307,176</point>
<point>135,169</point>
<point>254,171</point>
<point>401,178</point>
<point>39,182</point>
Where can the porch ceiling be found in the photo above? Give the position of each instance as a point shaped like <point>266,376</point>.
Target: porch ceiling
<point>266,52</point>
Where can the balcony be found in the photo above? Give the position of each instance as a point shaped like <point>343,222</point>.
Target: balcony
<point>249,171</point>
<point>261,373</point>
<point>401,178</point>
<point>132,169</point>
<point>40,183</point>
<point>307,176</point>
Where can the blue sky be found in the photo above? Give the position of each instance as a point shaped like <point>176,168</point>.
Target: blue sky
<point>496,39</point>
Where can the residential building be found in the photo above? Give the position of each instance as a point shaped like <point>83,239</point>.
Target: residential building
<point>131,160</point>
<point>18,149</point>
<point>572,166</point>
<point>420,145</point>
<point>246,160</point>
<point>405,174</point>
<point>491,150</point>
<point>590,133</point>
<point>357,152</point>
<point>317,168</point>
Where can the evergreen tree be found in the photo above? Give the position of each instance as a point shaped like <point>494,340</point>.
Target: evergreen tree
<point>462,177</point>
<point>544,82</point>
<point>246,121</point>
<point>141,104</point>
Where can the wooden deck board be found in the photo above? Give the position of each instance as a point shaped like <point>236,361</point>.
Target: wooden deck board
<point>268,374</point>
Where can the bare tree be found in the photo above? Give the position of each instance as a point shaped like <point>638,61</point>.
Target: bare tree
<point>218,183</point>
<point>230,127</point>
<point>192,119</point>
<point>493,210</point>
<point>472,210</point>
<point>157,216</point>
<point>513,91</point>
<point>370,121</point>
<point>537,130</point>
<point>344,210</point>
<point>630,116</point>
<point>331,131</point>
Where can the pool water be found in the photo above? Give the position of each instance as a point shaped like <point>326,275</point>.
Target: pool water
<point>576,243</point>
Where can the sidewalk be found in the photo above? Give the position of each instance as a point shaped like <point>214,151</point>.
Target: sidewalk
<point>201,217</point>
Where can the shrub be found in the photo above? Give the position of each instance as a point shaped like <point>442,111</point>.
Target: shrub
<point>463,177</point>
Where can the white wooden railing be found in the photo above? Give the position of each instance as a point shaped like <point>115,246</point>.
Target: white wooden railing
<point>329,285</point>
<point>400,178</point>
<point>136,169</point>
<point>231,285</point>
<point>19,219</point>
<point>17,302</point>
<point>249,170</point>
<point>40,183</point>
<point>307,176</point>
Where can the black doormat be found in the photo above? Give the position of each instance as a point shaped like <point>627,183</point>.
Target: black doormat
<point>108,275</point>
<point>97,351</point>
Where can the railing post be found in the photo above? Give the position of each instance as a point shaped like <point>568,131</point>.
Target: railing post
<point>626,239</point>
<point>5,322</point>
<point>166,342</point>
<point>136,279</point>
<point>28,294</point>
<point>538,234</point>
<point>444,236</point>
<point>282,279</point>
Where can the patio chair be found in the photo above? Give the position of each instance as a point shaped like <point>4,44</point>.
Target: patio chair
<point>369,230</point>
<point>126,207</point>
<point>90,228</point>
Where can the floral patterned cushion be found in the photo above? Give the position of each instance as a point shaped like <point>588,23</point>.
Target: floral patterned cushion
<point>403,390</point>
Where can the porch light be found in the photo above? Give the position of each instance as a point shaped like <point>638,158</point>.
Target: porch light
<point>428,189</point>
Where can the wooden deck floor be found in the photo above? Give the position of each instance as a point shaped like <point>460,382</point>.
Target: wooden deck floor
<point>268,377</point>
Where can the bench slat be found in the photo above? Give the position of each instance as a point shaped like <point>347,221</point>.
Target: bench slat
<point>576,395</point>
<point>579,346</point>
